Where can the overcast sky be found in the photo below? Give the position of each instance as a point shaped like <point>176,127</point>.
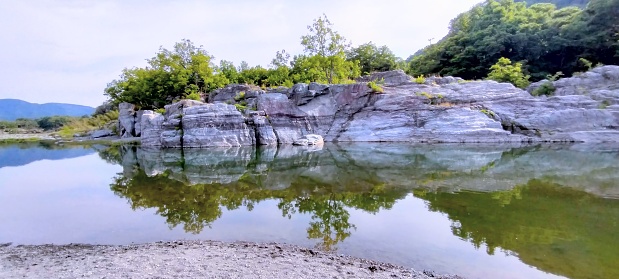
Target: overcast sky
<point>66,51</point>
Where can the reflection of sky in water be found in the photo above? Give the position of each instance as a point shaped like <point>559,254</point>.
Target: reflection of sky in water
<point>69,201</point>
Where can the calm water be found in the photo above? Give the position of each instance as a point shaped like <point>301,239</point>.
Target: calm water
<point>478,211</point>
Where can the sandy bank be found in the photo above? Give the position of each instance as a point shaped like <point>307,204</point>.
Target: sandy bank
<point>190,259</point>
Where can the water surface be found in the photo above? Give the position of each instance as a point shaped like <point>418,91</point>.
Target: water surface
<point>478,211</point>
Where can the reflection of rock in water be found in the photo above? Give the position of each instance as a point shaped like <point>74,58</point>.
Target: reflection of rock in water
<point>189,187</point>
<point>534,196</point>
<point>594,169</point>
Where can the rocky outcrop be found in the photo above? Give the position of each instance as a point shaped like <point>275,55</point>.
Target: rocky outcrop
<point>390,78</point>
<point>126,120</point>
<point>443,109</point>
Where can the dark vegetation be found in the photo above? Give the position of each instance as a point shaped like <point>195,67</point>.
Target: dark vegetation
<point>544,39</point>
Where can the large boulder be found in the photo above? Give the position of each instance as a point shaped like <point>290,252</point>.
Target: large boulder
<point>217,124</point>
<point>264,131</point>
<point>151,124</point>
<point>389,78</point>
<point>234,93</point>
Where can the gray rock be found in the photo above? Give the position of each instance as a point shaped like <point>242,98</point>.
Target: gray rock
<point>264,131</point>
<point>310,139</point>
<point>101,133</point>
<point>151,124</point>
<point>126,120</point>
<point>219,124</point>
<point>138,123</point>
<point>234,92</point>
<point>389,78</point>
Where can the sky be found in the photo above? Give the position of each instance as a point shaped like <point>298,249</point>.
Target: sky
<point>66,51</point>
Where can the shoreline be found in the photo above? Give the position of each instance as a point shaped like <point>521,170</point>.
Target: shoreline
<point>192,259</point>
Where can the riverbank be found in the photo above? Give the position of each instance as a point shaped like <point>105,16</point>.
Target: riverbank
<point>17,138</point>
<point>49,137</point>
<point>191,259</point>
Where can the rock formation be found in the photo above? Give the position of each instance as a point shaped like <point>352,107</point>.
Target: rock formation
<point>443,109</point>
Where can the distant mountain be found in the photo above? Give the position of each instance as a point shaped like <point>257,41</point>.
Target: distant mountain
<point>11,109</point>
<point>559,3</point>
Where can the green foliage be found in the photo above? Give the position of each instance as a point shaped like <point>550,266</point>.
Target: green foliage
<point>535,219</point>
<point>585,63</point>
<point>604,104</point>
<point>239,96</point>
<point>240,107</point>
<point>489,113</point>
<point>372,58</point>
<point>420,79</point>
<point>322,69</point>
<point>375,87</point>
<point>425,94</point>
<point>19,123</point>
<point>326,56</point>
<point>85,124</point>
<point>53,122</point>
<point>547,89</point>
<point>504,71</point>
<point>171,75</point>
<point>548,39</point>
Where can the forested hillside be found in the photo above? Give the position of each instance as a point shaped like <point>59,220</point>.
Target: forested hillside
<point>544,39</point>
<point>559,3</point>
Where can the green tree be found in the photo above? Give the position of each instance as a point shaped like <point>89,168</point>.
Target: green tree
<point>326,50</point>
<point>184,72</point>
<point>227,69</point>
<point>505,71</point>
<point>372,58</point>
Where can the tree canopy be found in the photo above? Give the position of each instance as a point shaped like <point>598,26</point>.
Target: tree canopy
<point>543,38</point>
<point>372,58</point>
<point>182,73</point>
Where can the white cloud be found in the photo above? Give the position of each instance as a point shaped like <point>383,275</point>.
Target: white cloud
<point>68,50</point>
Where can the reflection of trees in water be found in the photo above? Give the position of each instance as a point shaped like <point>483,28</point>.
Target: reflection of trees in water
<point>198,206</point>
<point>555,228</point>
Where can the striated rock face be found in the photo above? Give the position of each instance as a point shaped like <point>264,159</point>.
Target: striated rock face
<point>444,109</point>
<point>126,120</point>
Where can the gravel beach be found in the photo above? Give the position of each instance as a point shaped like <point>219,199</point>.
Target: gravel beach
<point>43,136</point>
<point>190,259</point>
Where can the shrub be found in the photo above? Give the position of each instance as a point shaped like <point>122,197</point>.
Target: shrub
<point>547,88</point>
<point>420,80</point>
<point>375,87</point>
<point>425,94</point>
<point>604,104</point>
<point>239,96</point>
<point>160,110</point>
<point>504,71</point>
<point>240,107</point>
<point>194,96</point>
